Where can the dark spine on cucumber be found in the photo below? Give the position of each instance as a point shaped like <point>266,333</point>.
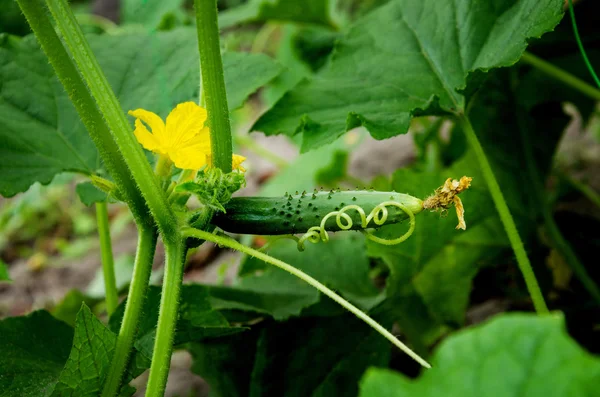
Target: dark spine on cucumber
<point>299,212</point>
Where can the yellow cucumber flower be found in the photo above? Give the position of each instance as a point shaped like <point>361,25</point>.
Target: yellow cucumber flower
<point>185,140</point>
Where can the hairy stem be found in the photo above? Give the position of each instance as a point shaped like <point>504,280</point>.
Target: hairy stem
<point>506,218</point>
<point>213,83</point>
<point>133,310</point>
<point>167,319</point>
<point>108,265</point>
<point>228,242</point>
<point>85,106</point>
<point>113,115</point>
<point>561,75</point>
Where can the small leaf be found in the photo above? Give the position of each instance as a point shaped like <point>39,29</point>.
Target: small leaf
<point>90,194</point>
<point>34,350</point>
<point>511,355</point>
<point>93,347</point>
<point>381,83</point>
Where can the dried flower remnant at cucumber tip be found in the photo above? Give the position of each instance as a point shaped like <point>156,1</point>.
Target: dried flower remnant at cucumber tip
<point>446,195</point>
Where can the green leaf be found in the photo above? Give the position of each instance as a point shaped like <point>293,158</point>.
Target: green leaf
<point>197,319</point>
<point>4,276</point>
<point>90,194</point>
<point>308,11</point>
<point>150,13</point>
<point>381,83</point>
<point>40,130</point>
<point>316,356</point>
<point>335,171</point>
<point>93,346</point>
<point>341,263</point>
<point>34,350</point>
<point>512,355</point>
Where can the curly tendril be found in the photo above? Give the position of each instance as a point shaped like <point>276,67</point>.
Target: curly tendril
<point>378,215</point>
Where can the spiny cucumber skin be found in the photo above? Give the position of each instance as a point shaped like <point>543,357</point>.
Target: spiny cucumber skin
<point>292,214</point>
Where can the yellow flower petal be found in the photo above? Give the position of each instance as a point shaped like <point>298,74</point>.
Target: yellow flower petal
<point>147,140</point>
<point>154,122</point>
<point>200,141</point>
<point>189,158</point>
<point>184,122</point>
<point>237,161</point>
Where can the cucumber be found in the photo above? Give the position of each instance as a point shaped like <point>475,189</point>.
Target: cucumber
<point>297,213</point>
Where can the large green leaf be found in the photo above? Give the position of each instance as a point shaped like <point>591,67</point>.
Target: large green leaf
<point>312,356</point>
<point>307,11</point>
<point>512,355</point>
<point>34,350</point>
<point>40,131</point>
<point>381,83</point>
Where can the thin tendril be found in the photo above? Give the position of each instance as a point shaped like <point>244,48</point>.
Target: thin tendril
<point>378,215</point>
<point>580,44</point>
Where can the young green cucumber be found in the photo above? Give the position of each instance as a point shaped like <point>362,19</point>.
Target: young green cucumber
<point>297,213</point>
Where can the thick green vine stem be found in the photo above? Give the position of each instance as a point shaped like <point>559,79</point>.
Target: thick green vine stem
<point>561,75</point>
<point>86,107</point>
<point>506,218</point>
<point>108,265</point>
<point>114,116</point>
<point>167,318</point>
<point>133,308</point>
<point>230,243</point>
<point>378,215</point>
<point>213,83</point>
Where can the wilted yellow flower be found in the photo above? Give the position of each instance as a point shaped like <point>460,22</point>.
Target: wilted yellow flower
<point>185,139</point>
<point>446,195</point>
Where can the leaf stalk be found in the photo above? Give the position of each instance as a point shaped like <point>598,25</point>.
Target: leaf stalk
<point>506,218</point>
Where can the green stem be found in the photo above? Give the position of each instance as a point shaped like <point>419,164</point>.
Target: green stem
<point>133,310</point>
<point>167,318</point>
<point>561,75</point>
<point>213,83</point>
<point>110,108</point>
<point>580,44</point>
<point>86,107</point>
<point>554,233</point>
<point>506,218</point>
<point>230,243</point>
<point>108,265</point>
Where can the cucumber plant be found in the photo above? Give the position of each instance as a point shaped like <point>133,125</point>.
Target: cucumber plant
<point>460,68</point>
